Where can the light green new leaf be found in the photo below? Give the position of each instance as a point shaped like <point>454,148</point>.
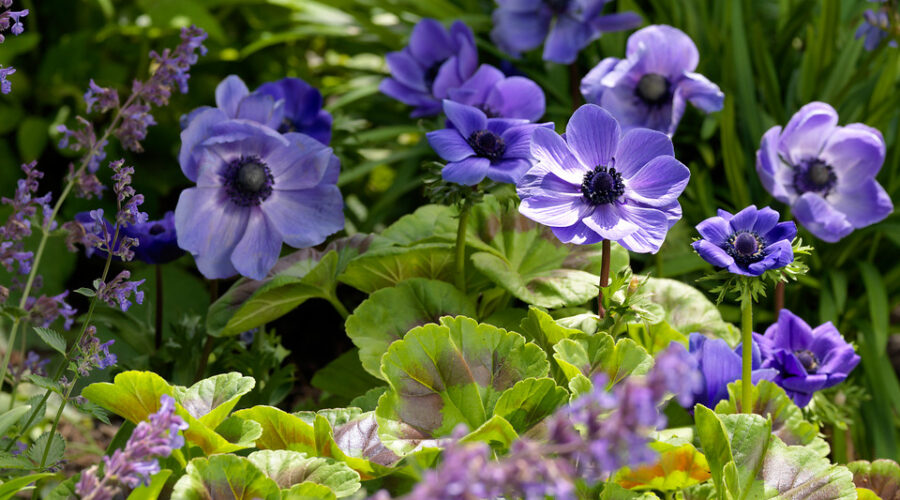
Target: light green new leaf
<point>540,328</point>
<point>10,417</point>
<point>151,491</point>
<point>52,338</point>
<point>240,432</point>
<point>497,432</point>
<point>280,430</point>
<point>334,416</point>
<point>133,395</point>
<point>687,309</point>
<point>288,468</point>
<point>716,445</point>
<point>581,357</point>
<point>882,477</point>
<point>211,400</point>
<point>13,486</point>
<point>308,491</point>
<point>389,313</point>
<point>530,401</point>
<point>225,477</point>
<point>449,374</point>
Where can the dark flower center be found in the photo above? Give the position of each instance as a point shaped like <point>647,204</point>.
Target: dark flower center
<point>558,6</point>
<point>487,144</point>
<point>431,73</point>
<point>808,360</point>
<point>745,247</point>
<point>157,229</point>
<point>287,125</point>
<point>654,89</point>
<point>248,181</point>
<point>815,176</point>
<point>602,185</point>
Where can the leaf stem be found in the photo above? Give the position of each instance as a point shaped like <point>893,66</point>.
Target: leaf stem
<point>59,412</point>
<point>461,245</point>
<point>604,277</point>
<point>339,307</point>
<point>747,350</point>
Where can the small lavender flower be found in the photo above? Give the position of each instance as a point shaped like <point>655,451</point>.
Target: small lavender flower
<point>596,184</point>
<point>749,242</point>
<point>118,291</point>
<point>138,461</point>
<point>44,310</point>
<point>876,27</point>
<point>826,173</point>
<point>92,353</point>
<point>105,98</point>
<point>25,206</point>
<point>9,20</point>
<point>567,25</point>
<point>477,146</point>
<point>805,359</point>
<point>33,363</point>
<point>435,61</point>
<point>719,366</point>
<point>256,189</point>
<point>652,85</point>
<point>500,96</point>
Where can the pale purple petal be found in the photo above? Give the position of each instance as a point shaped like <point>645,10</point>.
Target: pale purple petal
<point>578,234</point>
<point>664,50</point>
<point>855,153</point>
<point>209,226</point>
<point>516,97</point>
<point>305,217</point>
<point>864,204</point>
<point>659,182</point>
<point>592,86</point>
<point>821,218</point>
<point>466,119</point>
<point>769,164</point>
<point>430,42</point>
<point>608,221</point>
<point>509,171</point>
<point>549,148</point>
<point>229,94</point>
<point>567,37</point>
<point>258,249</point>
<point>652,226</point>
<point>638,147</point>
<point>406,70</point>
<point>449,145</point>
<point>593,135</point>
<point>195,133</point>
<point>475,90</point>
<point>261,109</point>
<point>805,135</point>
<point>516,32</point>
<point>712,253</point>
<point>469,171</point>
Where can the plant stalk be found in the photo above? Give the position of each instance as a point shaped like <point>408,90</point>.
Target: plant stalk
<point>746,352</point>
<point>159,307</point>
<point>779,297</point>
<point>604,277</point>
<point>461,245</point>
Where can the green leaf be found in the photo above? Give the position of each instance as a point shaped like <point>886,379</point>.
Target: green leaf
<point>32,137</point>
<point>530,401</point>
<point>281,430</point>
<point>52,338</point>
<point>583,356</point>
<point>677,467</point>
<point>655,337</point>
<point>449,374</point>
<point>133,395</point>
<point>386,267</point>
<point>295,278</point>
<point>496,432</point>
<point>389,313</point>
<point>308,491</point>
<point>224,476</point>
<point>369,400</point>
<point>357,443</point>
<point>334,416</point>
<point>35,452</point>
<point>10,417</point>
<point>687,309</point>
<point>19,484</point>
<point>289,468</point>
<point>345,376</point>
<point>210,441</point>
<point>243,433</point>
<point>882,477</point>
<point>770,401</point>
<point>540,328</point>
<point>212,399</point>
<point>151,491</point>
<point>613,491</point>
<point>715,443</point>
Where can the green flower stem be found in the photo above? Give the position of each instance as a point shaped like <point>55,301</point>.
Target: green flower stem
<point>62,406</point>
<point>159,307</point>
<point>747,351</point>
<point>45,233</point>
<point>339,307</point>
<point>461,245</point>
<point>604,276</point>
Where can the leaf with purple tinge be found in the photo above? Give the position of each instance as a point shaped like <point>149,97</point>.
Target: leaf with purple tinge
<point>224,476</point>
<point>458,372</point>
<point>882,477</point>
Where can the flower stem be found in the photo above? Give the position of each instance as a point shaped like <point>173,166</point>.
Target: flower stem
<point>604,277</point>
<point>159,307</point>
<point>339,307</point>
<point>461,245</point>
<point>779,297</point>
<point>62,406</point>
<point>574,85</point>
<point>746,352</point>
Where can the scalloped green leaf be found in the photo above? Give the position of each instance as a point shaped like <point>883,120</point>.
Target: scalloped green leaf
<point>497,432</point>
<point>676,468</point>
<point>540,328</point>
<point>530,401</point>
<point>581,357</point>
<point>226,477</point>
<point>133,395</point>
<point>212,399</point>
<point>295,278</point>
<point>289,468</point>
<point>280,430</point>
<point>687,309</point>
<point>882,477</point>
<point>308,491</point>
<point>386,267</point>
<point>334,416</point>
<point>389,313</point>
<point>770,401</point>
<point>449,374</point>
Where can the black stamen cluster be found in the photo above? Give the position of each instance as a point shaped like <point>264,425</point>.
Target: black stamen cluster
<point>248,181</point>
<point>602,185</point>
<point>487,144</point>
<point>745,247</point>
<point>815,176</point>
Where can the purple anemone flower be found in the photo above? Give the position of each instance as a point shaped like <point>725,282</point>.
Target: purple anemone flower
<point>826,173</point>
<point>806,359</point>
<point>435,61</point>
<point>255,189</point>
<point>477,146</point>
<point>595,185</point>
<point>652,85</point>
<point>157,240</point>
<point>749,242</point>
<point>567,25</point>
<point>500,96</point>
<point>720,365</point>
<point>288,105</point>
<point>876,27</point>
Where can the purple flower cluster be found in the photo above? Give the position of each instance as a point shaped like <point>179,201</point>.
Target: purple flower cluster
<point>652,85</point>
<point>826,173</point>
<point>119,289</point>
<point>477,146</point>
<point>597,184</point>
<point>256,188</point>
<point>92,353</point>
<point>153,241</point>
<point>567,25</point>
<point>44,310</point>
<point>25,205</point>
<point>588,439</point>
<point>805,359</point>
<point>876,27</point>
<point>138,461</point>
<point>748,243</point>
<point>33,364</point>
<point>9,20</point>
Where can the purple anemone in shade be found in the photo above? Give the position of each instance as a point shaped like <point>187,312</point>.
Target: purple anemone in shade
<point>595,185</point>
<point>288,105</point>
<point>806,359</point>
<point>255,189</point>
<point>157,240</point>
<point>749,242</point>
<point>435,61</point>
<point>567,25</point>
<point>826,173</point>
<point>477,146</point>
<point>720,365</point>
<point>876,27</point>
<point>500,96</point>
<point>652,85</point>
